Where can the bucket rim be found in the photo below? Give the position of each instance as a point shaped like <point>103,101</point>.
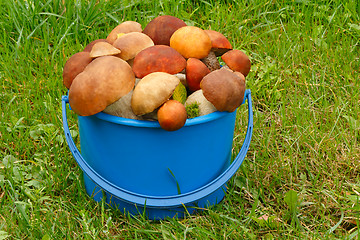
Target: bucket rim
<point>155,124</point>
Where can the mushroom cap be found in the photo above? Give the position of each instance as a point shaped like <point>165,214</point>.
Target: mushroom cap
<point>220,44</point>
<point>104,80</point>
<point>152,91</point>
<point>195,71</point>
<point>124,27</point>
<point>224,89</point>
<point>91,44</point>
<point>191,41</point>
<point>237,61</point>
<point>158,58</point>
<point>205,107</point>
<point>100,49</point>
<point>172,115</point>
<point>161,28</point>
<point>131,44</point>
<point>75,65</point>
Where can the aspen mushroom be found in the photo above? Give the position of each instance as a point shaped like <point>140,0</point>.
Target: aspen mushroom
<point>131,44</point>
<point>172,115</point>
<point>211,61</point>
<point>158,58</point>
<point>124,27</point>
<point>75,65</point>
<point>195,71</point>
<point>152,91</point>
<point>161,28</point>
<point>224,89</point>
<point>100,49</point>
<point>237,61</point>
<point>103,81</point>
<point>191,41</point>
<point>197,97</point>
<point>220,44</point>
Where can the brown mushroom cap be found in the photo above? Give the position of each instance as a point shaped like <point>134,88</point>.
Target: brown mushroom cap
<point>124,27</point>
<point>158,58</point>
<point>104,80</point>
<point>195,71</point>
<point>191,41</point>
<point>103,49</point>
<point>220,44</point>
<point>131,44</point>
<point>91,44</point>
<point>161,28</point>
<point>224,89</point>
<point>75,65</point>
<point>237,61</point>
<point>152,91</point>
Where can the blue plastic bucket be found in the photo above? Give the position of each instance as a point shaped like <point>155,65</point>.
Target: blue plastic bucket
<point>141,168</point>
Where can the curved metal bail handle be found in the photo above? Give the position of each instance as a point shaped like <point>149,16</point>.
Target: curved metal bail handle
<point>160,201</point>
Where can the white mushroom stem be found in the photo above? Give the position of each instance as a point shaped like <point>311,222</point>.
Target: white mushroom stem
<point>205,107</point>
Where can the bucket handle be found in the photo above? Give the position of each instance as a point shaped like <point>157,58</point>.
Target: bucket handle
<point>160,201</point>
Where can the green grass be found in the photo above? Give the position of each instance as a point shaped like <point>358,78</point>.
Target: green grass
<point>301,172</point>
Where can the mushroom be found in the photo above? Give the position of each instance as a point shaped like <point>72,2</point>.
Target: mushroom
<point>197,97</point>
<point>131,44</point>
<point>191,41</point>
<point>124,27</point>
<point>224,89</point>
<point>122,108</point>
<point>158,58</point>
<point>195,71</point>
<point>75,65</point>
<point>91,44</point>
<point>211,61</point>
<point>161,28</point>
<point>100,49</point>
<point>103,81</point>
<point>172,115</point>
<point>152,91</point>
<point>237,61</point>
<point>220,44</point>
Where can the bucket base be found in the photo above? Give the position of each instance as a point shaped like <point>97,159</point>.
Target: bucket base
<point>152,213</point>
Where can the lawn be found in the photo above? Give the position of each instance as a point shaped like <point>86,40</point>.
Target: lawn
<point>301,176</point>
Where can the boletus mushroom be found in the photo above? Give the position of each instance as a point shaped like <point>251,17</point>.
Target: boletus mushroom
<point>103,81</point>
<point>100,49</point>
<point>195,71</point>
<point>224,89</point>
<point>158,58</point>
<point>152,91</point>
<point>237,61</point>
<point>75,65</point>
<point>130,44</point>
<point>124,27</point>
<point>91,44</point>
<point>220,44</point>
<point>204,106</point>
<point>191,41</point>
<point>172,115</point>
<point>161,28</point>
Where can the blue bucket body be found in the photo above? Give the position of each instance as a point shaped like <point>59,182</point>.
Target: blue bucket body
<point>142,157</point>
<point>140,168</point>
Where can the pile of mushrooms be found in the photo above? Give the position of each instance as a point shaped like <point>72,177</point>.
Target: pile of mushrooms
<point>165,72</point>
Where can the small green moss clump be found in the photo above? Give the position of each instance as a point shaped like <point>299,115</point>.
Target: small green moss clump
<point>192,110</point>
